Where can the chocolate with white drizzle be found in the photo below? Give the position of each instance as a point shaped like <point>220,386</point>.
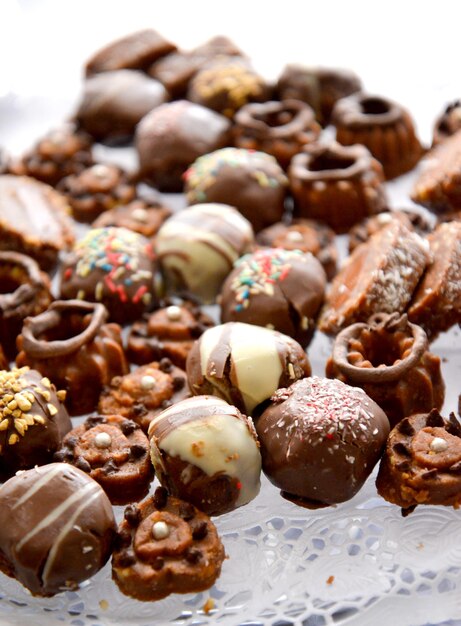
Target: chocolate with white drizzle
<point>63,528</point>
<point>206,452</point>
<point>389,359</point>
<point>422,462</point>
<point>72,345</point>
<point>244,364</point>
<point>320,440</point>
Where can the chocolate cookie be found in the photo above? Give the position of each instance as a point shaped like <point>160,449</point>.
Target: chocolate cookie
<point>114,452</point>
<point>144,393</point>
<point>165,546</point>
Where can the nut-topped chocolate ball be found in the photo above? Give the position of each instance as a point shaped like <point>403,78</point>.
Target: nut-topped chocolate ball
<point>276,288</point>
<point>206,452</point>
<point>33,420</point>
<point>113,266</point>
<point>244,364</point>
<point>63,530</point>
<point>253,182</point>
<point>320,440</point>
<point>197,247</point>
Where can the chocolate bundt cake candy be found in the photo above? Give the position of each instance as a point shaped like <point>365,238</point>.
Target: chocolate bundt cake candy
<point>380,276</point>
<point>336,184</point>
<point>33,420</point>
<point>389,359</point>
<point>206,452</point>
<point>277,128</point>
<point>305,235</point>
<point>164,546</point>
<point>34,219</point>
<point>438,186</point>
<point>320,440</point>
<point>114,452</point>
<point>421,463</point>
<point>95,190</point>
<point>25,291</point>
<point>171,136</point>
<point>4,362</point>
<point>113,266</point>
<point>72,345</point>
<point>197,247</point>
<point>436,303</point>
<point>61,152</point>
<point>137,50</point>
<point>448,123</point>
<point>112,103</point>
<point>252,182</point>
<point>276,288</point>
<point>383,126</point>
<point>141,216</point>
<point>145,392</point>
<point>319,87</point>
<point>244,364</point>
<point>58,528</point>
<point>413,219</point>
<point>168,332</point>
<point>226,84</point>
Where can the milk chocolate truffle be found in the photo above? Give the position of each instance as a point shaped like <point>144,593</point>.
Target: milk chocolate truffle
<point>114,452</point>
<point>253,182</point>
<point>306,235</point>
<point>244,364</point>
<point>164,546</point>
<point>34,219</point>
<point>448,123</point>
<point>113,103</point>
<point>389,359</point>
<point>25,291</point>
<point>71,344</point>
<point>320,439</point>
<point>33,420</point>
<point>319,87</point>
<point>206,452</point>
<point>172,136</point>
<point>58,528</point>
<point>145,392</point>
<point>113,266</point>
<point>277,128</point>
<point>276,288</point>
<point>422,462</point>
<point>197,247</point>
<point>134,51</point>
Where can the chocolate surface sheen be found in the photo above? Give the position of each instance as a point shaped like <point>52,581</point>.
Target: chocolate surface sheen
<point>320,440</point>
<point>62,531</point>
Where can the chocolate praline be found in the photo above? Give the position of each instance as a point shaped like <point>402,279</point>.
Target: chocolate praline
<point>320,439</point>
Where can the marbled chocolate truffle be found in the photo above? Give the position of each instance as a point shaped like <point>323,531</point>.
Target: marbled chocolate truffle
<point>114,266</point>
<point>197,247</point>
<point>320,439</point>
<point>33,420</point>
<point>172,136</point>
<point>276,288</point>
<point>206,452</point>
<point>63,528</point>
<point>244,364</point>
<point>253,182</point>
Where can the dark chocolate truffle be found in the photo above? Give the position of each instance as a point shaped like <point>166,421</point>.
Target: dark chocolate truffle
<point>57,528</point>
<point>244,364</point>
<point>253,182</point>
<point>114,266</point>
<point>320,439</point>
<point>276,288</point>
<point>206,452</point>
<point>172,136</point>
<point>33,420</point>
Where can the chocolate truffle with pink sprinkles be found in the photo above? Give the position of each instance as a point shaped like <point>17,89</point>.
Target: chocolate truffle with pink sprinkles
<point>320,440</point>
